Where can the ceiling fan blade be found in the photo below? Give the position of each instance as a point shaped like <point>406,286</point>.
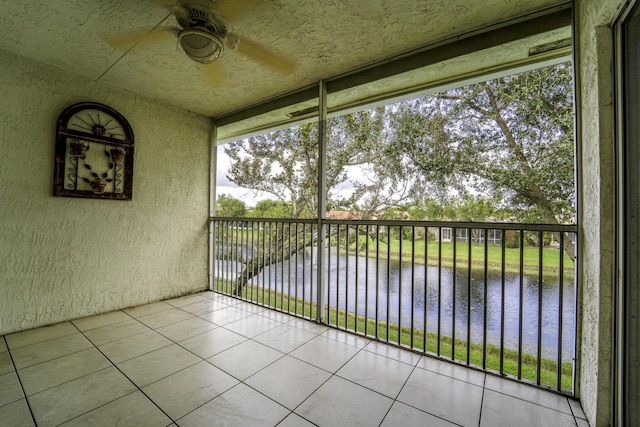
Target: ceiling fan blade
<point>232,9</point>
<point>143,38</point>
<point>213,75</point>
<point>166,3</point>
<point>259,53</point>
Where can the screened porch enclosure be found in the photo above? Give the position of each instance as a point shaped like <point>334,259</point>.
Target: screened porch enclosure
<point>498,296</point>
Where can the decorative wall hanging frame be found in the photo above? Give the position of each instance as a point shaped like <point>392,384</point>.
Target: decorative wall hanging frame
<point>94,153</point>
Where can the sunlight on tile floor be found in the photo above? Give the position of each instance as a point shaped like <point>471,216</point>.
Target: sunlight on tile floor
<point>207,359</point>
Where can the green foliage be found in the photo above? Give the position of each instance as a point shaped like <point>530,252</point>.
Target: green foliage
<point>511,239</point>
<point>228,206</point>
<point>281,163</point>
<point>284,163</point>
<point>271,209</point>
<point>510,138</point>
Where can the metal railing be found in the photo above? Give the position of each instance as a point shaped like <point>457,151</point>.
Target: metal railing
<point>493,296</point>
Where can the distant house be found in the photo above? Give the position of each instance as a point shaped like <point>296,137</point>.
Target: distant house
<point>345,215</point>
<point>462,235</point>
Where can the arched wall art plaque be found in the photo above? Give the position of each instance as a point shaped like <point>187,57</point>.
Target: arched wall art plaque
<point>94,153</point>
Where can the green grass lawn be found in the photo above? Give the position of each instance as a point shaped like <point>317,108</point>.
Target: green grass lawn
<point>435,250</point>
<point>443,253</point>
<point>490,357</point>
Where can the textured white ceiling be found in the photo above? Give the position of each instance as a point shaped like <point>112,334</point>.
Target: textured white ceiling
<point>322,38</point>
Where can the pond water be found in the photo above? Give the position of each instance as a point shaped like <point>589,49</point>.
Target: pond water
<point>357,284</point>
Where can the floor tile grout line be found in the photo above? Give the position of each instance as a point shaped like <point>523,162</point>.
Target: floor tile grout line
<point>231,388</point>
<point>15,370</point>
<point>121,338</point>
<point>292,350</point>
<point>243,381</point>
<point>42,341</point>
<point>532,402</point>
<point>99,406</point>
<point>297,415</point>
<point>392,358</point>
<point>71,380</point>
<point>484,389</point>
<point>240,381</point>
<point>575,418</point>
<point>73,321</point>
<point>335,374</point>
<point>131,381</point>
<point>395,399</point>
<point>117,339</point>
<point>54,358</point>
<point>483,386</point>
<point>292,411</point>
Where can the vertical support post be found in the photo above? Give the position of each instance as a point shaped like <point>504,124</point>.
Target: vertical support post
<point>213,169</point>
<point>321,192</point>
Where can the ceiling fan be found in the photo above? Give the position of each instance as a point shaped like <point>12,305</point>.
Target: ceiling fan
<point>204,34</point>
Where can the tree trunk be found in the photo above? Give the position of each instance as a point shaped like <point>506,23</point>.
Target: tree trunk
<point>254,266</point>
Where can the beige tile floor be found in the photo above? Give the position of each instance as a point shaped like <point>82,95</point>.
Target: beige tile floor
<point>207,359</point>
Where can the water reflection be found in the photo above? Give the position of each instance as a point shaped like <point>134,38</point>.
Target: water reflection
<point>398,291</point>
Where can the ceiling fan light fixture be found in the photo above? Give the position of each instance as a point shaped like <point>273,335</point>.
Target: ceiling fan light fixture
<point>201,45</point>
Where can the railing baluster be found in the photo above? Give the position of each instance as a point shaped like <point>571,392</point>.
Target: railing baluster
<point>346,277</point>
<point>227,257</point>
<point>377,280</point>
<point>304,268</point>
<point>328,276</point>
<point>218,255</point>
<point>250,234</point>
<point>388,282</point>
<point>400,235</point>
<point>297,246</point>
<point>502,298</point>
<point>256,232</point>
<point>338,276</point>
<point>560,308</point>
<point>272,253</point>
<point>311,261</point>
<point>264,258</point>
<point>413,280</point>
<point>237,253</point>
<point>366,281</point>
<point>453,290</point>
<point>287,258</point>
<point>218,252</point>
<point>357,271</point>
<point>521,304</point>
<point>426,289</point>
<point>282,259</point>
<point>469,231</point>
<point>539,361</point>
<point>439,289</point>
<point>485,319</point>
<point>223,256</point>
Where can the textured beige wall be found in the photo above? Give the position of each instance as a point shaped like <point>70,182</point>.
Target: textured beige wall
<point>63,258</point>
<point>597,194</point>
